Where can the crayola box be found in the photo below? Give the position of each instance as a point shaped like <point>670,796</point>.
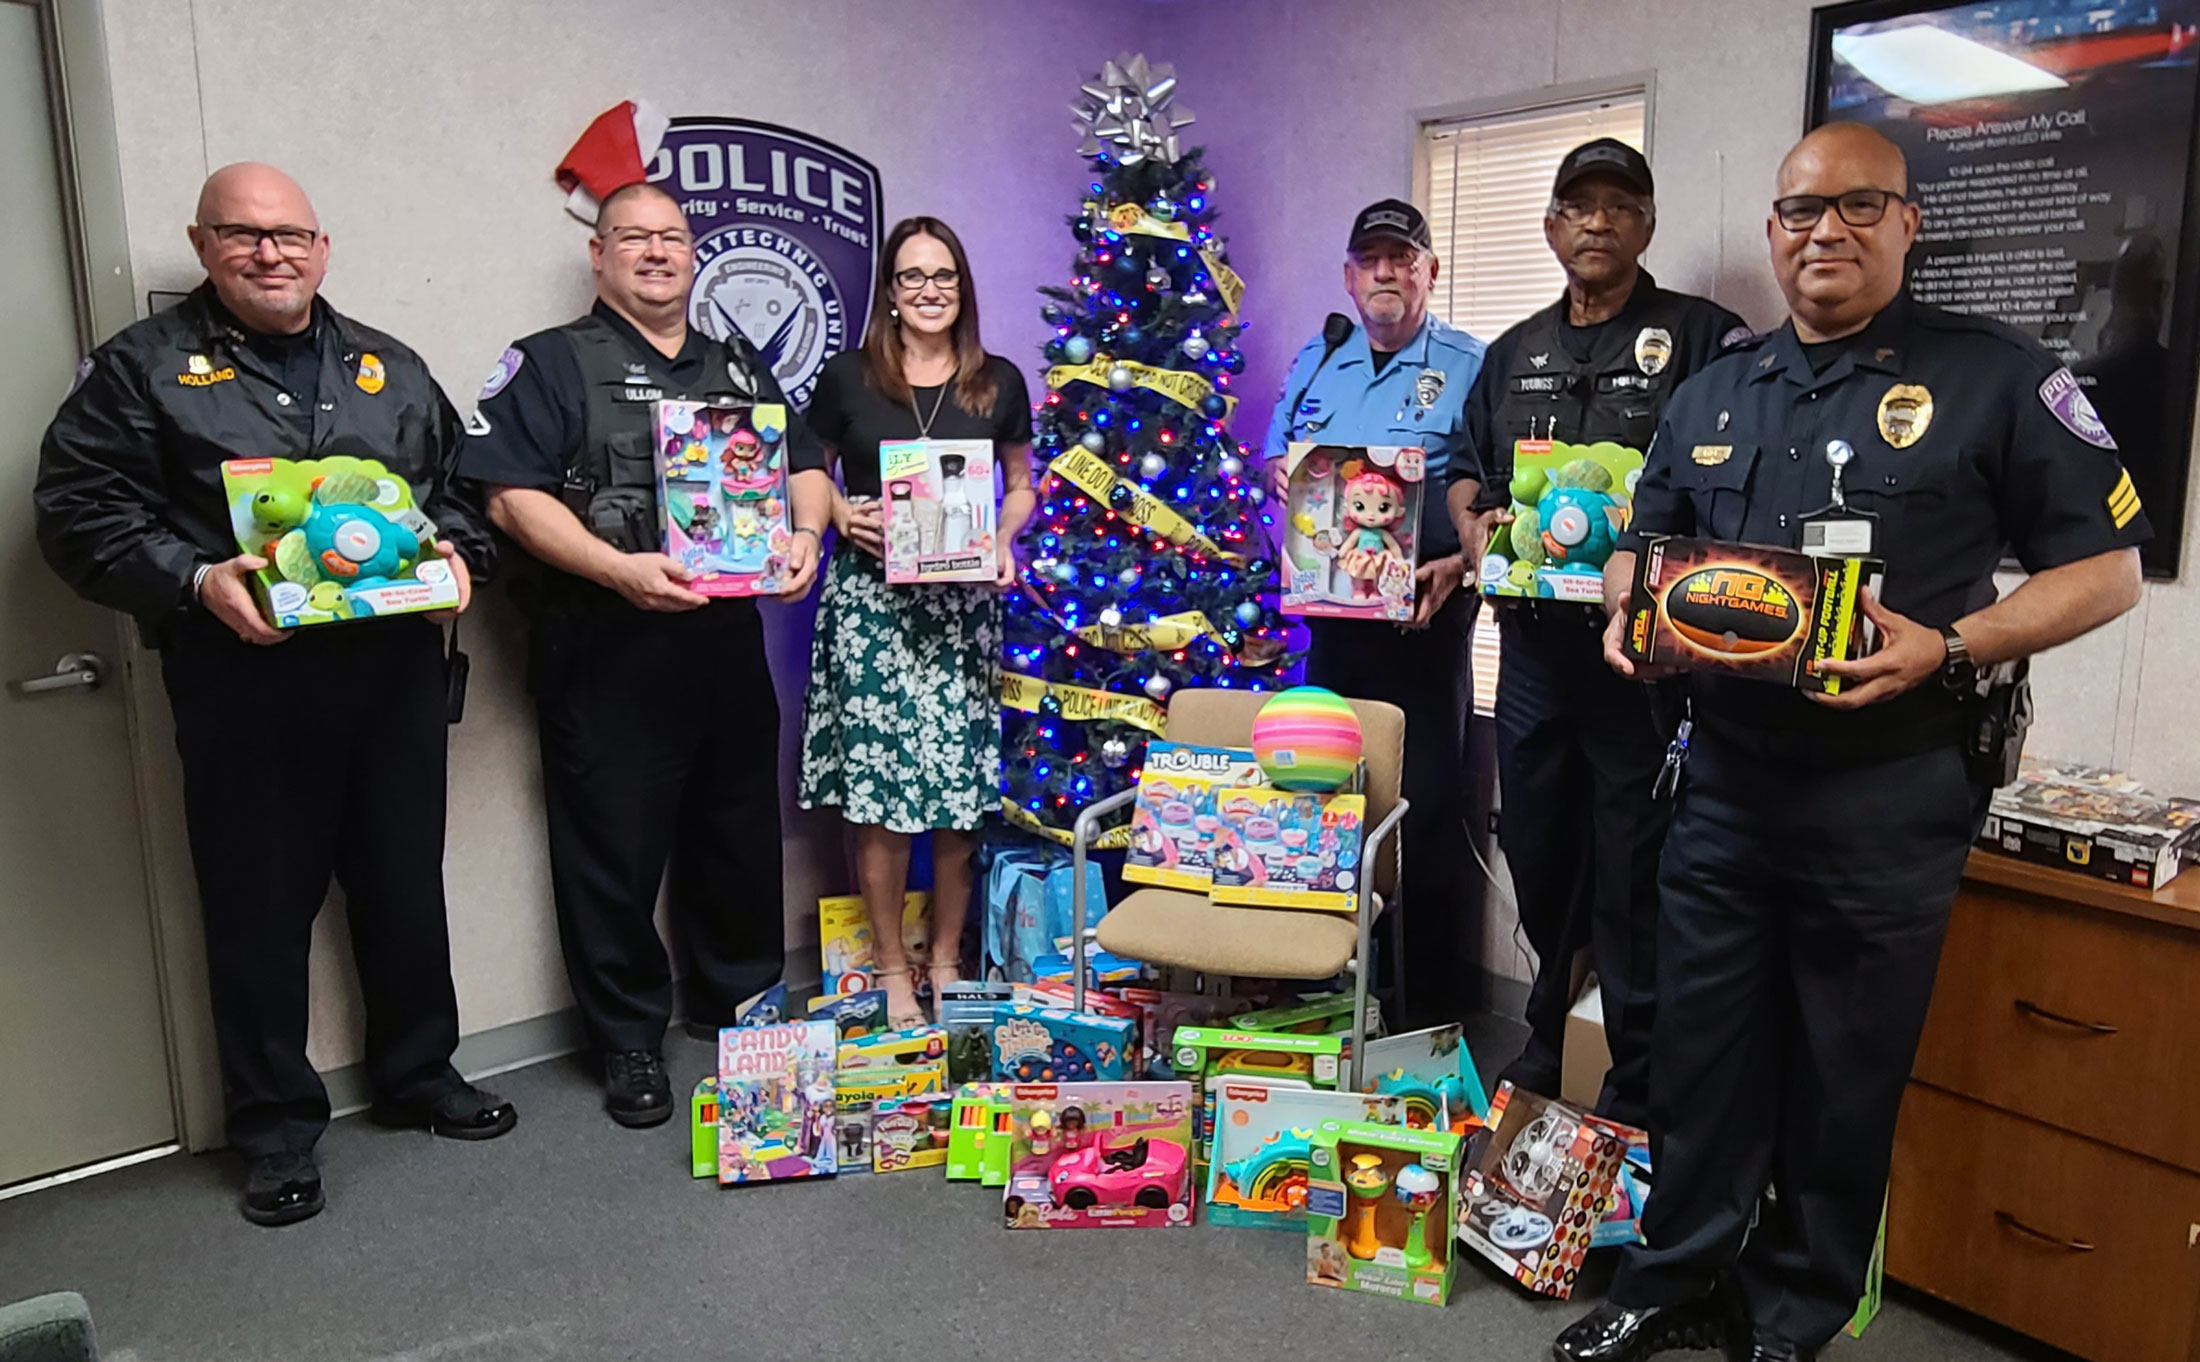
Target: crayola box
<point>1033,1044</point>
<point>1177,813</point>
<point>1211,1056</point>
<point>1263,1139</point>
<point>1285,849</point>
<point>722,487</point>
<point>1352,530</point>
<point>1569,504</point>
<point>1380,1201</point>
<point>1750,611</point>
<point>980,1113</point>
<point>342,538</point>
<point>845,950</point>
<point>938,510</point>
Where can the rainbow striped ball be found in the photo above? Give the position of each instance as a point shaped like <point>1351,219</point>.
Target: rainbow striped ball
<point>1307,738</point>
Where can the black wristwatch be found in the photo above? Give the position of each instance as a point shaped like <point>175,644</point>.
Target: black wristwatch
<point>1957,672</point>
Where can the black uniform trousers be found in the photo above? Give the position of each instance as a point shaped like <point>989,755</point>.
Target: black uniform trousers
<point>1803,911</point>
<point>660,744</point>
<point>322,755</point>
<point>1428,673</point>
<point>1578,750</point>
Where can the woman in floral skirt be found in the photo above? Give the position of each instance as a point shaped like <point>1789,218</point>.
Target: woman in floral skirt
<point>901,728</point>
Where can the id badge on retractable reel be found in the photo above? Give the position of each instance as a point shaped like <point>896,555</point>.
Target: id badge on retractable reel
<point>1839,530</point>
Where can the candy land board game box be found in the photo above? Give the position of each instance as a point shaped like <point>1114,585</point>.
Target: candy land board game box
<point>2094,822</point>
<point>1280,849</point>
<point>342,538</point>
<point>1569,504</point>
<point>1263,1139</point>
<point>1746,610</point>
<point>1352,530</point>
<point>1379,1200</point>
<point>775,1095</point>
<point>722,487</point>
<point>1177,812</point>
<point>938,510</point>
<point>1113,1155</point>
<point>1542,1185</point>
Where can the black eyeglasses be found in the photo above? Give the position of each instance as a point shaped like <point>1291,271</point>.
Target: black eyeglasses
<point>676,239</point>
<point>948,279</point>
<point>295,243</point>
<point>1857,207</point>
<point>1622,212</point>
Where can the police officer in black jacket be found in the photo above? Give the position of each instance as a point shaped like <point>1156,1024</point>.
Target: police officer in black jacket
<point>659,725</point>
<point>1819,840</point>
<point>303,756</point>
<point>1578,748</point>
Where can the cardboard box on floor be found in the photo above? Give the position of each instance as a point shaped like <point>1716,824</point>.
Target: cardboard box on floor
<point>1588,1055</point>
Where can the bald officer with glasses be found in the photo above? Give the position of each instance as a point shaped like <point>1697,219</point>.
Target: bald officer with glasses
<point>1819,840</point>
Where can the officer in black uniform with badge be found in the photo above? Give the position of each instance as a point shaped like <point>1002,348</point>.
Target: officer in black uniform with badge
<point>1819,840</point>
<point>659,725</point>
<point>1578,747</point>
<point>306,754</point>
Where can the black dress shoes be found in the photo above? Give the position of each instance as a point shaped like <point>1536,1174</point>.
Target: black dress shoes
<point>1775,1350</point>
<point>283,1189</point>
<point>1613,1333</point>
<point>635,1089</point>
<point>464,1113</point>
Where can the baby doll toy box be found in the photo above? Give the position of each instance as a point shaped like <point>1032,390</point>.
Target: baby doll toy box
<point>938,512</point>
<point>1378,1202</point>
<point>1352,530</point>
<point>1178,811</point>
<point>342,539</point>
<point>775,1102</point>
<point>1569,504</point>
<point>1113,1155</point>
<point>1544,1182</point>
<point>1745,610</point>
<point>722,483</point>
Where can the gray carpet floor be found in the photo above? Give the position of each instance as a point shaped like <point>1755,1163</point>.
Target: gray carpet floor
<point>573,1239</point>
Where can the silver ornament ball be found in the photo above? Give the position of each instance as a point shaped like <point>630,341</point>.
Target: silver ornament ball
<point>1115,753</point>
<point>1157,686</point>
<point>1152,466</point>
<point>1120,379</point>
<point>1093,440</point>
<point>1159,281</point>
<point>1256,494</point>
<point>1195,347</point>
<point>1232,465</point>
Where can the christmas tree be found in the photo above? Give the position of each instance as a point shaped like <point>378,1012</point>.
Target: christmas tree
<point>1147,563</point>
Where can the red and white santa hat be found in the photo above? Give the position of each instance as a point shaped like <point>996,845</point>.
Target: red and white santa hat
<point>613,153</point>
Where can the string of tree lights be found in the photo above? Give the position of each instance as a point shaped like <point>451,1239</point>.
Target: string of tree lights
<point>1147,564</point>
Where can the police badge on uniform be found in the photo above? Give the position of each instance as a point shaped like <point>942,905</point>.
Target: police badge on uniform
<point>1428,385</point>
<point>1653,347</point>
<point>1904,414</point>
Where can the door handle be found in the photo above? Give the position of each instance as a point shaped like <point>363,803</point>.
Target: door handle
<point>77,671</point>
<point>2031,1009</point>
<point>2016,1226</point>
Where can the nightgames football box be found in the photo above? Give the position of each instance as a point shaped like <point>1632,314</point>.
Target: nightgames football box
<point>2094,822</point>
<point>1749,611</point>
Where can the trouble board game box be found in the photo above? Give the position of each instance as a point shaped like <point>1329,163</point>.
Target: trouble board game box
<point>1569,504</point>
<point>1352,530</point>
<point>342,539</point>
<point>938,511</point>
<point>1745,610</point>
<point>722,489</point>
<point>2094,822</point>
<point>1178,811</point>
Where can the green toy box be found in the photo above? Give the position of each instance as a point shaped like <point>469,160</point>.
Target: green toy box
<point>1324,1014</point>
<point>1380,1201</point>
<point>703,1129</point>
<point>342,538</point>
<point>1209,1056</point>
<point>980,1113</point>
<point>1569,504</point>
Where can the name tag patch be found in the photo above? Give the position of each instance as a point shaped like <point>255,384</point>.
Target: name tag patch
<point>1711,456</point>
<point>1533,383</point>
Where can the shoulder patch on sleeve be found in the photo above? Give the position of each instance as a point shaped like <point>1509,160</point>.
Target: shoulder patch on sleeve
<point>83,371</point>
<point>1735,337</point>
<point>507,365</point>
<point>2066,401</point>
<point>477,424</point>
<point>2123,501</point>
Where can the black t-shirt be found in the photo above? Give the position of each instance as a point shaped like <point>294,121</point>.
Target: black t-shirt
<point>851,416</point>
<point>1581,341</point>
<point>1820,355</point>
<point>294,360</point>
<point>1379,360</point>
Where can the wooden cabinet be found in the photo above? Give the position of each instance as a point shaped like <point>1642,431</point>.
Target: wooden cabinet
<point>2047,1164</point>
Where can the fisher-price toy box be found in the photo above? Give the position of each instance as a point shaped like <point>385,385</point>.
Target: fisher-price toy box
<point>722,487</point>
<point>1033,1044</point>
<point>1352,530</point>
<point>1542,1185</point>
<point>1379,1204</point>
<point>1264,1137</point>
<point>1285,849</point>
<point>1178,810</point>
<point>910,1132</point>
<point>1432,1071</point>
<point>937,512</point>
<point>1211,1056</point>
<point>775,1099</point>
<point>342,538</point>
<point>1569,504</point>
<point>1745,610</point>
<point>1099,1155</point>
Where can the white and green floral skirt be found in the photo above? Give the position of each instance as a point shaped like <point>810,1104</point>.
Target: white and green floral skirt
<point>901,724</point>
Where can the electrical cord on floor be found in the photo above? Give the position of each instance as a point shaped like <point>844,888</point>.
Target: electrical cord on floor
<point>1519,935</point>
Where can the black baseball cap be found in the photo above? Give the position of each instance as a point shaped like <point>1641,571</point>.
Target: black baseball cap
<point>1394,218</point>
<point>1605,156</point>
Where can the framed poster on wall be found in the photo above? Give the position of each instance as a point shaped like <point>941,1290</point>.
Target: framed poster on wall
<point>2051,148</point>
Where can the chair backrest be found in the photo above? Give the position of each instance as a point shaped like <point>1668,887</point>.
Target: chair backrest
<point>1224,718</point>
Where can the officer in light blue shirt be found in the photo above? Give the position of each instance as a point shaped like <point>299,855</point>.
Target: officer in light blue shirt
<point>1400,377</point>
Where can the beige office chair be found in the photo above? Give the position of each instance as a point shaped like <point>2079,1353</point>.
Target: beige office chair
<point>1173,927</point>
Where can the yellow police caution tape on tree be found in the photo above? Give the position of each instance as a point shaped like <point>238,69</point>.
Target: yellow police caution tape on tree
<point>1168,633</point>
<point>1110,839</point>
<point>1129,217</point>
<point>1080,704</point>
<point>1181,386</point>
<point>1091,474</point>
<point>1227,282</point>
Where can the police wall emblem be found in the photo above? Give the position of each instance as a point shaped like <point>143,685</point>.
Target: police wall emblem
<point>786,239</point>
<point>1904,414</point>
<point>1428,385</point>
<point>1653,348</point>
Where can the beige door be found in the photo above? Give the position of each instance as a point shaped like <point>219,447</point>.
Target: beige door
<point>83,1060</point>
